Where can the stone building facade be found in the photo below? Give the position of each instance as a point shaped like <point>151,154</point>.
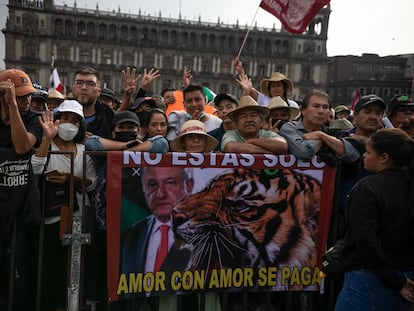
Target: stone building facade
<point>369,74</point>
<point>110,41</point>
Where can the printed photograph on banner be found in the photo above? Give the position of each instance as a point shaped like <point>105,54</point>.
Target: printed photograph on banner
<point>189,229</point>
<point>295,15</point>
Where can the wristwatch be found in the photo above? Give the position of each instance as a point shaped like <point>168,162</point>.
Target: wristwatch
<point>132,144</point>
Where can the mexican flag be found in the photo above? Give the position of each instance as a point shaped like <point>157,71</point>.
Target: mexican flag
<point>54,81</point>
<point>209,94</point>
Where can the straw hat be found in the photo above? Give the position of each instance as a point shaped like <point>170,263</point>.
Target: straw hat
<point>277,103</point>
<point>276,76</point>
<point>247,102</point>
<point>193,127</point>
<point>53,94</point>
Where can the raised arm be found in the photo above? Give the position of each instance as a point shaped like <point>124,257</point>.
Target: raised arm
<point>130,78</point>
<point>23,141</point>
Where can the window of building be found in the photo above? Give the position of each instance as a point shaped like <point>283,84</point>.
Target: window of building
<point>102,31</point>
<point>386,92</point>
<point>306,76</point>
<point>375,90</point>
<point>224,88</point>
<point>18,20</point>
<point>85,57</point>
<point>42,23</point>
<point>81,29</point>
<point>225,68</point>
<point>261,70</point>
<point>212,44</point>
<point>397,91</point>
<point>299,47</point>
<point>124,33</point>
<point>68,28</point>
<point>133,32</point>
<point>222,42</point>
<point>204,41</point>
<point>112,32</point>
<point>91,30</point>
<point>184,39</point>
<point>59,27</point>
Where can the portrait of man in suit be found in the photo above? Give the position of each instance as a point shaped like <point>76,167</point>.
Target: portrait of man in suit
<point>149,244</point>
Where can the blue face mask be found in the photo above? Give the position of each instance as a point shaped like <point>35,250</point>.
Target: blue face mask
<point>189,116</point>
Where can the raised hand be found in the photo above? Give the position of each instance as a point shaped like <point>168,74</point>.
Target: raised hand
<point>130,78</point>
<point>246,84</point>
<point>148,77</point>
<point>50,128</point>
<point>187,77</point>
<point>238,66</point>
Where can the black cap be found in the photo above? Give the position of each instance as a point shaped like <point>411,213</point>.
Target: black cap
<point>40,93</point>
<point>108,93</point>
<point>369,99</point>
<point>223,96</point>
<point>397,101</point>
<point>125,116</point>
<point>138,101</point>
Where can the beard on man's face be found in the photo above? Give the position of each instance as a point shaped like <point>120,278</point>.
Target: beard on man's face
<point>86,101</point>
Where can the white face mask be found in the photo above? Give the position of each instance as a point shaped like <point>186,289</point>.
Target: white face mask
<point>67,131</point>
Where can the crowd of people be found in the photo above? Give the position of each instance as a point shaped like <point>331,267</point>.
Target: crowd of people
<point>374,161</point>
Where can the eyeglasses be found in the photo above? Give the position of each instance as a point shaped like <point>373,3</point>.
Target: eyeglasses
<point>89,84</point>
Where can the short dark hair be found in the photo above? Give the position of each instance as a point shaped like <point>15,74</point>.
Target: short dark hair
<point>192,88</point>
<point>87,70</point>
<point>167,90</point>
<point>311,93</point>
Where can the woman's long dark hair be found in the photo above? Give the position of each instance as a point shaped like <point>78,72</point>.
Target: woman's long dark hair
<point>400,148</point>
<point>149,115</point>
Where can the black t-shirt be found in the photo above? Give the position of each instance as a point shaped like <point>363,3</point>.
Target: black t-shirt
<point>102,123</point>
<point>32,125</point>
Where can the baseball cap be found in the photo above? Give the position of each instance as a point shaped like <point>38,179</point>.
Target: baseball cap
<point>23,84</point>
<point>341,108</point>
<point>398,101</point>
<point>71,105</point>
<point>223,96</point>
<point>108,93</point>
<point>141,100</point>
<point>126,116</point>
<point>369,99</point>
<point>40,92</point>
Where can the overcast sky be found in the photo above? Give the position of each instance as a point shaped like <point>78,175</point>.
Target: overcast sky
<point>355,26</point>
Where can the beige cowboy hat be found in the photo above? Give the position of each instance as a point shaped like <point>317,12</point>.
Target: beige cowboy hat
<point>278,103</point>
<point>193,127</point>
<point>247,102</point>
<point>276,76</point>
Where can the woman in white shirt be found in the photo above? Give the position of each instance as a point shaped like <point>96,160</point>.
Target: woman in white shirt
<point>64,133</point>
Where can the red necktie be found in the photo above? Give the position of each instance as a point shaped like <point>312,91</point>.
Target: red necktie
<point>163,249</point>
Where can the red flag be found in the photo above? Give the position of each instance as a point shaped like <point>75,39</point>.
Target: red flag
<point>55,81</point>
<point>356,98</point>
<point>295,15</point>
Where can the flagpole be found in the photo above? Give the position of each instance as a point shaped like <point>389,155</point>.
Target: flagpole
<point>248,31</point>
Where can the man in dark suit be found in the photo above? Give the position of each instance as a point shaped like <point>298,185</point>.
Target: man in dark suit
<point>142,243</point>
